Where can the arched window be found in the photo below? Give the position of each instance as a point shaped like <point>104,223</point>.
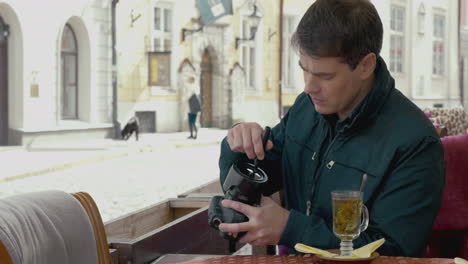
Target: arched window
<point>69,70</point>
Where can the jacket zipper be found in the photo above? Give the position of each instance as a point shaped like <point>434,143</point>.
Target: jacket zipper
<point>308,202</point>
<point>331,162</point>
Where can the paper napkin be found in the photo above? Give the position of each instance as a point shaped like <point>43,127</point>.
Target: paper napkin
<point>460,261</point>
<point>311,250</point>
<point>362,252</point>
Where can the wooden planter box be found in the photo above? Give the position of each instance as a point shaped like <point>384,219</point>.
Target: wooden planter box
<point>178,225</point>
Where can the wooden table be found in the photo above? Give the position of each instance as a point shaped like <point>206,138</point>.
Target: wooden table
<point>219,259</point>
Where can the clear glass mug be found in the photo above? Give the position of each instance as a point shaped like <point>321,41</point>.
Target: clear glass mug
<point>350,218</point>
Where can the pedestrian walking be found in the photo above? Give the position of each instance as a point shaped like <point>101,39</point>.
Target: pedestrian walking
<point>194,108</point>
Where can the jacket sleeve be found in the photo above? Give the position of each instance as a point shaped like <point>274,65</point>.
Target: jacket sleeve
<point>402,211</point>
<point>271,164</point>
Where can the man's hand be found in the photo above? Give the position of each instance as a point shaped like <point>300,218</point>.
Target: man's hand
<point>266,223</point>
<point>247,138</point>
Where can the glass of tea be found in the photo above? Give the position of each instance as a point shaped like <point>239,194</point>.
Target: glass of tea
<point>350,218</point>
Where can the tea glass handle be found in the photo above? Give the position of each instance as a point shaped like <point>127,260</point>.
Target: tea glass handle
<point>364,218</point>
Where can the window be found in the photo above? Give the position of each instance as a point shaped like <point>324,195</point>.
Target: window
<point>289,57</point>
<point>159,59</point>
<point>69,72</point>
<point>162,30</point>
<point>438,52</point>
<point>397,39</point>
<point>248,53</point>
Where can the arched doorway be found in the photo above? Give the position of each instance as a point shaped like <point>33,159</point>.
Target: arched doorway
<point>69,70</point>
<point>3,82</point>
<point>206,82</point>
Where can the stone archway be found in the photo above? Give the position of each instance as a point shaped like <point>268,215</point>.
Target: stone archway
<point>211,42</point>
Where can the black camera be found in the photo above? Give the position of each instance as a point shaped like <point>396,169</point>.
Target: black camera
<point>243,183</point>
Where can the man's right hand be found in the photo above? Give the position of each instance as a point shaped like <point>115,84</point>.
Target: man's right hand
<point>247,138</point>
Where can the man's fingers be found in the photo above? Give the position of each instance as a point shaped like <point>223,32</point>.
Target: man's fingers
<point>230,139</point>
<point>269,145</point>
<point>235,141</point>
<point>243,208</point>
<point>234,228</point>
<point>258,146</point>
<point>247,143</point>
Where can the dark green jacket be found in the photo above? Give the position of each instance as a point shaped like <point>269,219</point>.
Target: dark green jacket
<point>387,137</point>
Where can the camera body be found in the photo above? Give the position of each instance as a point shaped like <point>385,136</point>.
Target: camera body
<point>243,183</point>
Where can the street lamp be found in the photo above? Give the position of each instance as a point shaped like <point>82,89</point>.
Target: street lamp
<point>187,32</point>
<point>254,20</point>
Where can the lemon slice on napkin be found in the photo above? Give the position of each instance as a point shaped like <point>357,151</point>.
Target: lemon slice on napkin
<point>362,252</point>
<point>306,249</point>
<point>460,261</point>
<point>366,251</point>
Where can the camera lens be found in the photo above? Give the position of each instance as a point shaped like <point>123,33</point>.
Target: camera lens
<point>251,172</point>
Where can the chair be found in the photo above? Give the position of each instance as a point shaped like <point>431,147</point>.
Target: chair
<point>450,231</point>
<point>52,227</point>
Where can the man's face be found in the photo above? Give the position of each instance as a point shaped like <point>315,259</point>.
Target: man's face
<point>331,84</point>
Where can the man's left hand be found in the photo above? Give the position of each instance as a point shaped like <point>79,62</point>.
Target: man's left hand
<point>266,223</point>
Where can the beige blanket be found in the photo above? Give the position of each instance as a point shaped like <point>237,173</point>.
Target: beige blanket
<point>49,227</point>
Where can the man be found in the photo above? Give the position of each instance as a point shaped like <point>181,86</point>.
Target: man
<point>194,105</point>
<point>194,108</point>
<point>349,123</point>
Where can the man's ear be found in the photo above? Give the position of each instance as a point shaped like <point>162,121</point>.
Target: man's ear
<point>367,65</point>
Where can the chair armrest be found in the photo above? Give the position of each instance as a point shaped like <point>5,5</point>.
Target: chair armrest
<point>98,226</point>
<point>4,255</point>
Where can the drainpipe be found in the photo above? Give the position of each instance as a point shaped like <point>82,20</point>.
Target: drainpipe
<point>460,57</point>
<point>115,120</point>
<point>280,60</point>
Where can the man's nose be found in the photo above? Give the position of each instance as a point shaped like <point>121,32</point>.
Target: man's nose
<point>311,85</point>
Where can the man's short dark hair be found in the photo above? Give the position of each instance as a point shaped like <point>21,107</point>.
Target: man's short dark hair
<point>349,29</point>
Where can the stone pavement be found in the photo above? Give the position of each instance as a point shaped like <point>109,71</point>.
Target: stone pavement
<point>18,162</point>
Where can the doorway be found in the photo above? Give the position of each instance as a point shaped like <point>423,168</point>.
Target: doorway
<point>3,83</point>
<point>206,82</point>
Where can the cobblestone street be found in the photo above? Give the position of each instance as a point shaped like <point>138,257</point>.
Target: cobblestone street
<point>128,183</point>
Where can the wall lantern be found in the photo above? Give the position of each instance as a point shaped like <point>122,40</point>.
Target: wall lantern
<point>253,21</point>
<point>421,18</point>
<point>187,32</point>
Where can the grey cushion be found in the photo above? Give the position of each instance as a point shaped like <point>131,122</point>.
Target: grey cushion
<point>49,227</point>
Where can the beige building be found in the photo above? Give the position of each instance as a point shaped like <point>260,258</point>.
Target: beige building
<point>420,47</point>
<point>160,51</point>
<point>55,70</point>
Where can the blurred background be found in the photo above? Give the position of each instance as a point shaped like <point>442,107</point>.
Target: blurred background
<point>72,73</point>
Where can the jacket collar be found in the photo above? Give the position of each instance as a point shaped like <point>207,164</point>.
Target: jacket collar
<point>369,108</point>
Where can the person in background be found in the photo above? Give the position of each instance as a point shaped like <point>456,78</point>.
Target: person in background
<point>194,108</point>
<point>349,124</point>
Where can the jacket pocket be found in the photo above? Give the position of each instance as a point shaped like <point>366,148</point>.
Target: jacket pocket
<point>299,164</point>
<point>343,176</point>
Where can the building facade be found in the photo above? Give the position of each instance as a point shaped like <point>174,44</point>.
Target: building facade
<point>420,47</point>
<point>55,70</point>
<point>164,55</point>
